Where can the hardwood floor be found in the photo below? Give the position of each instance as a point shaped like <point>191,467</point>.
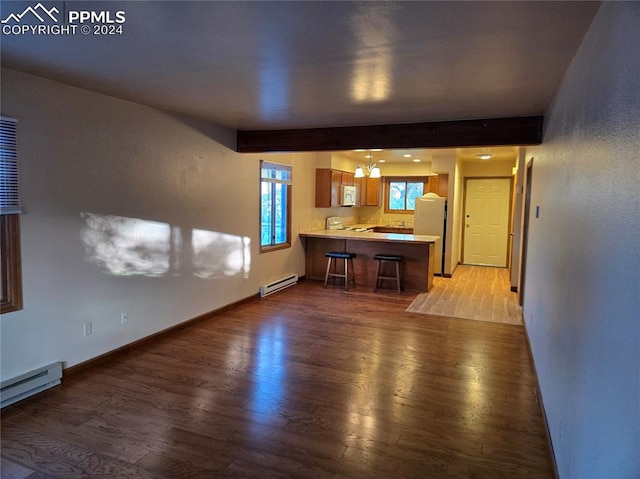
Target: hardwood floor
<point>308,383</point>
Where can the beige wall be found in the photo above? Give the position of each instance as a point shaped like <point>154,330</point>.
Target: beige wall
<point>582,283</point>
<point>488,168</point>
<point>127,208</point>
<point>406,169</point>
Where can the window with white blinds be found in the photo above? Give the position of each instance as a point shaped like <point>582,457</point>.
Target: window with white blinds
<point>9,199</point>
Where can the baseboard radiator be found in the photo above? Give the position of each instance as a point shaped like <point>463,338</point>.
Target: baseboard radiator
<point>278,285</point>
<point>28,384</point>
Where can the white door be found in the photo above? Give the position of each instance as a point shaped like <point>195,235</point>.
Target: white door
<point>486,221</point>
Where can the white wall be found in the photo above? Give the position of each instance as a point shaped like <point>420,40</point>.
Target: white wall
<point>582,287</point>
<point>108,188</point>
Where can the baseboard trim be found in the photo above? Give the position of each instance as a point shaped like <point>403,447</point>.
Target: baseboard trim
<point>111,355</point>
<point>554,464</point>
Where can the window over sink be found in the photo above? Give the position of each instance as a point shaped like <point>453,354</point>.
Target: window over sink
<point>400,193</point>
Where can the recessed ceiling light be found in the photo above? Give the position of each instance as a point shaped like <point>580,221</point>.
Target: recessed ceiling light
<point>484,156</point>
<point>416,160</point>
<point>407,155</point>
<point>376,149</point>
<point>382,161</point>
<point>359,150</point>
<point>368,156</point>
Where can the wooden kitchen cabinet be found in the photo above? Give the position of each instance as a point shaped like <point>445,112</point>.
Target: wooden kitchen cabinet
<point>328,186</point>
<point>369,193</point>
<point>432,184</point>
<point>348,179</point>
<point>438,184</point>
<point>443,185</point>
<point>329,183</point>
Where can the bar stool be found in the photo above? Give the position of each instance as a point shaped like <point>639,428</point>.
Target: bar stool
<point>348,260</point>
<point>392,258</point>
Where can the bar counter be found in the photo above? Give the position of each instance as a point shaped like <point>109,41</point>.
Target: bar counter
<point>417,267</point>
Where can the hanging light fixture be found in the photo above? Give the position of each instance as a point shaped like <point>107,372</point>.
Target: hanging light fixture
<point>374,170</point>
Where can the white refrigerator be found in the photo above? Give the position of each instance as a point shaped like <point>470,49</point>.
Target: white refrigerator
<point>430,219</point>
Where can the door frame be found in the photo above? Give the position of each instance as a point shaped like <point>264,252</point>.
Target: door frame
<point>464,212</point>
<point>525,229</point>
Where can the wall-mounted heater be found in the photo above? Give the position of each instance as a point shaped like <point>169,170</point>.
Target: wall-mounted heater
<point>278,285</point>
<point>28,384</point>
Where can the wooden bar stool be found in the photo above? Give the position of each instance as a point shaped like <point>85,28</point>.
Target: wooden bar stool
<point>348,260</point>
<point>392,258</point>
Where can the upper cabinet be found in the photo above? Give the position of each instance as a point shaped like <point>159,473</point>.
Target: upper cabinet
<point>348,179</point>
<point>329,184</point>
<point>439,185</point>
<point>369,191</point>
<point>327,187</point>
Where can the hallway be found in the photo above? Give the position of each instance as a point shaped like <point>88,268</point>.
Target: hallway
<point>473,292</point>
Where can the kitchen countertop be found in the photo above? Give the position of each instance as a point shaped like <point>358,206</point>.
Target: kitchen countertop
<point>370,236</point>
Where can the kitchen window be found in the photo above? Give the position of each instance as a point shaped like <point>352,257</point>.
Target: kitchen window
<point>275,206</point>
<point>11,276</point>
<point>401,193</point>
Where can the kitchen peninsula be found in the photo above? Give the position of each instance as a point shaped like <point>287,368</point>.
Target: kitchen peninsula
<point>418,252</point>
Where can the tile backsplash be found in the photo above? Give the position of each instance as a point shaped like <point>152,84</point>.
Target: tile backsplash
<point>367,216</point>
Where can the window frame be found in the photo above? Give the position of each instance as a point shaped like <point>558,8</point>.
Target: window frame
<point>11,264</point>
<point>406,179</point>
<point>10,256</point>
<point>288,191</point>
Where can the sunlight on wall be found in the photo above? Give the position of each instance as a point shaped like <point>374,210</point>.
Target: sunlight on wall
<point>124,246</point>
<point>216,254</point>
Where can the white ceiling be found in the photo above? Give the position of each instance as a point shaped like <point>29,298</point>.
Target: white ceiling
<point>273,65</point>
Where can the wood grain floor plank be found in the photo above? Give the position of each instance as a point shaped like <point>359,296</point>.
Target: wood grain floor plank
<point>473,292</point>
<point>307,383</point>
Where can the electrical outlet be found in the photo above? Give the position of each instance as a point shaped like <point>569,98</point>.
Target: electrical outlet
<point>88,328</point>
<point>124,317</point>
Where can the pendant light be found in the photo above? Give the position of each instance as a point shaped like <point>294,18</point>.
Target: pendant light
<point>373,169</point>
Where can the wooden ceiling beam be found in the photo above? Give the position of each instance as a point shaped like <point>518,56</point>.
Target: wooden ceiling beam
<point>440,134</point>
